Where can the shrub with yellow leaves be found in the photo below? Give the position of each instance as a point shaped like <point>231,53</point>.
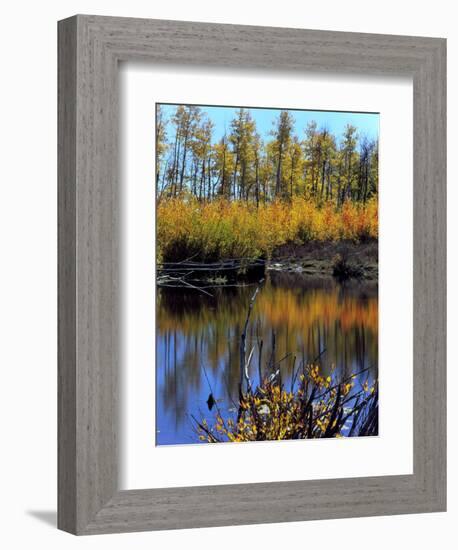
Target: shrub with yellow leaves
<point>318,407</point>
<point>221,229</point>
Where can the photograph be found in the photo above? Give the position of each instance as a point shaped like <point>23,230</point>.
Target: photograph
<point>266,274</point>
<point>225,260</point>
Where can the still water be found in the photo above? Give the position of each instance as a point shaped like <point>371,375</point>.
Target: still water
<point>295,319</point>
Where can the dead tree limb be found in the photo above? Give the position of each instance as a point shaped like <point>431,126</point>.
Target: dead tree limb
<point>243,365</point>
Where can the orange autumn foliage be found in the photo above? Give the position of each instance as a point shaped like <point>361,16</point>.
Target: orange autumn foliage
<point>237,229</point>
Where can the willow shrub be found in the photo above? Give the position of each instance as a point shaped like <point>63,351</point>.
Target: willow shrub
<point>319,407</point>
<point>219,229</point>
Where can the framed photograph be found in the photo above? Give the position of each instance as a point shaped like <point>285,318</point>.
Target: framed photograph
<point>252,267</point>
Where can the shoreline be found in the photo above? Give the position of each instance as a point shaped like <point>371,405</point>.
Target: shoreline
<point>343,260</point>
<point>319,258</point>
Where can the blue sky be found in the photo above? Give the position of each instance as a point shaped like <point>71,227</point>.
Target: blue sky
<point>366,123</point>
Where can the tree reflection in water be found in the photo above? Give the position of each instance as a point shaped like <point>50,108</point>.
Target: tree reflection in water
<point>198,338</point>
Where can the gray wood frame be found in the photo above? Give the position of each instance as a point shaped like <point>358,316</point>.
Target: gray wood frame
<point>90,48</point>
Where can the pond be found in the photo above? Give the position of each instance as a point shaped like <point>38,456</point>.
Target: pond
<point>295,319</point>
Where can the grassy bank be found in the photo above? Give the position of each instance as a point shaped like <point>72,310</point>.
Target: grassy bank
<point>209,231</point>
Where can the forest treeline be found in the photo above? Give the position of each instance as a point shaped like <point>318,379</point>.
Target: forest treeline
<point>310,163</point>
